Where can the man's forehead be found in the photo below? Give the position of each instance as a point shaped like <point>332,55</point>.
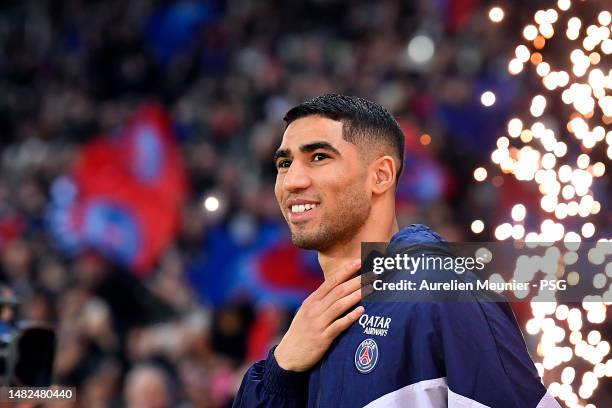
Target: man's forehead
<point>312,128</point>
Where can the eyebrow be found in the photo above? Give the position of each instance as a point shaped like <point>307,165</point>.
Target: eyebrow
<point>306,148</point>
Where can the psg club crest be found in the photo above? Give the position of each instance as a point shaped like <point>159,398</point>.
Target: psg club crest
<point>366,356</point>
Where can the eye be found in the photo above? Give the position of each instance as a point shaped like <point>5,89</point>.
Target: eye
<point>283,164</point>
<point>319,156</point>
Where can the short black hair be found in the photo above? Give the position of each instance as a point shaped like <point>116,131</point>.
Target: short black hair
<point>363,121</point>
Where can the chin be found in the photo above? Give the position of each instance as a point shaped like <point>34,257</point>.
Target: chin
<point>314,242</point>
<point>304,242</point>
<point>301,242</point>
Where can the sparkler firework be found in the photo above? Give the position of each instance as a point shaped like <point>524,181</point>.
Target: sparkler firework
<point>564,145</point>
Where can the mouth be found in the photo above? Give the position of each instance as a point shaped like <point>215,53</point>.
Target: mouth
<point>301,212</point>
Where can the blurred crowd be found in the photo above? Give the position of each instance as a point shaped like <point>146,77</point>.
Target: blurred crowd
<point>226,71</point>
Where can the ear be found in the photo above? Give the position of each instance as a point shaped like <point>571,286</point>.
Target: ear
<point>383,172</point>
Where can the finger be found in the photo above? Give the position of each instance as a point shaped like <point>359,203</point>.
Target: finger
<point>342,290</point>
<point>344,322</point>
<point>337,277</point>
<point>347,287</point>
<point>368,277</point>
<point>340,306</point>
<point>366,290</point>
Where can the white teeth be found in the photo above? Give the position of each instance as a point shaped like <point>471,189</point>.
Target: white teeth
<point>300,208</point>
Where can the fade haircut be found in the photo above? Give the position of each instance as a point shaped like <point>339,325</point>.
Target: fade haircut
<point>364,122</point>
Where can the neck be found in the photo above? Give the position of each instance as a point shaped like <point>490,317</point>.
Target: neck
<point>376,229</point>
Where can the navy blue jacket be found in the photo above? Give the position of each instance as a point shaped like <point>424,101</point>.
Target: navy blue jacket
<point>420,354</point>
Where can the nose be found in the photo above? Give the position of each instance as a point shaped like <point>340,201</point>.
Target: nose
<point>296,178</point>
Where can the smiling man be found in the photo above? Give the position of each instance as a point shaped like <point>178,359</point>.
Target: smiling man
<point>338,166</point>
<point>345,174</point>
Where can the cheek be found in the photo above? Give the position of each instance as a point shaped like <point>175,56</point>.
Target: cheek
<point>343,181</point>
<point>278,189</point>
<point>334,188</point>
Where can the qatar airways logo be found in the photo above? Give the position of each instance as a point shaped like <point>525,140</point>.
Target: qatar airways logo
<point>376,325</point>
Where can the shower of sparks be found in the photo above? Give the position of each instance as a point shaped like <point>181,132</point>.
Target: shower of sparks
<point>573,356</point>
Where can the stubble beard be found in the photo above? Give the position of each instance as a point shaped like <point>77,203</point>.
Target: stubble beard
<point>336,228</point>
